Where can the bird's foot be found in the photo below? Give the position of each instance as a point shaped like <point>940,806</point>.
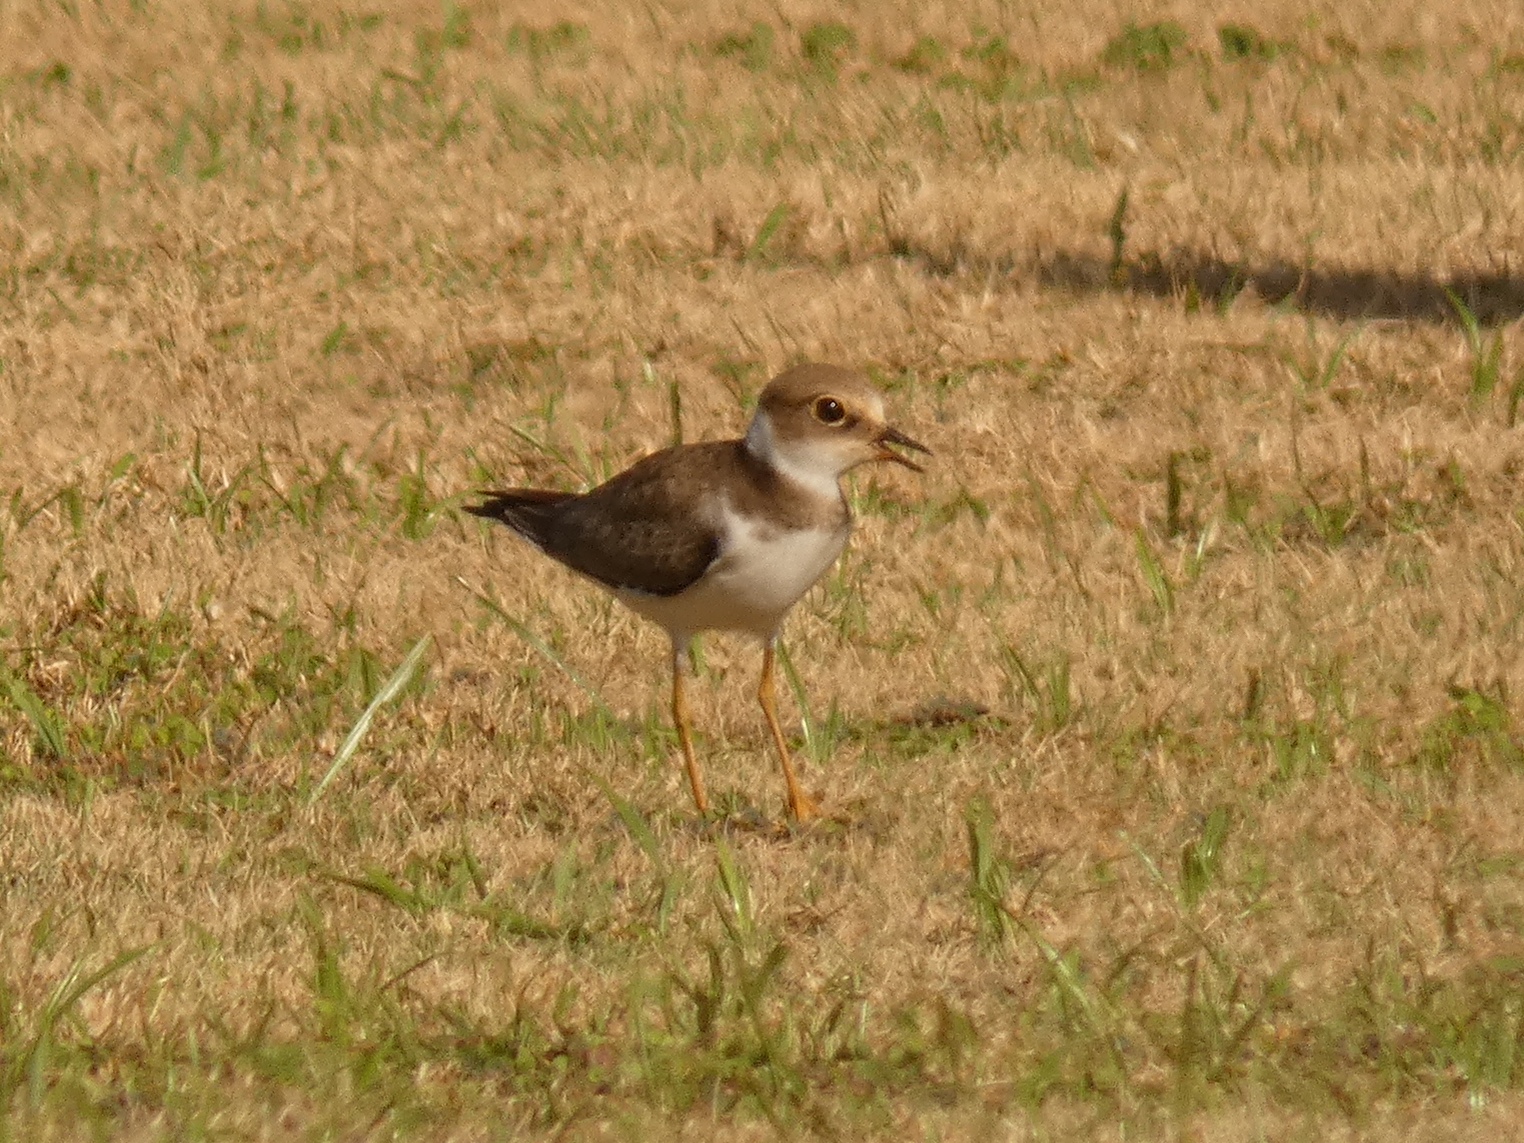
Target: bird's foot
<point>802,808</point>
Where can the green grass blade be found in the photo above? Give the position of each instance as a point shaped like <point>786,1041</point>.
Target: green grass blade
<point>1155,576</point>
<point>32,1064</point>
<point>379,883</point>
<point>1467,319</point>
<point>989,875</point>
<point>46,722</point>
<point>734,891</point>
<point>801,699</point>
<point>634,821</point>
<point>767,231</point>
<point>389,691</point>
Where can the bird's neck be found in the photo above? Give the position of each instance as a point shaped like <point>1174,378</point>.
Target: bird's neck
<point>794,462</point>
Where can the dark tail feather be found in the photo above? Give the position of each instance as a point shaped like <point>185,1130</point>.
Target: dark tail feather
<point>528,511</point>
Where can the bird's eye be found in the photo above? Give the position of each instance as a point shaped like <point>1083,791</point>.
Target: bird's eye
<point>828,411</point>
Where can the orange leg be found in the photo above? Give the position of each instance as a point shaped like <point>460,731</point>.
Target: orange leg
<point>680,720</point>
<point>801,806</point>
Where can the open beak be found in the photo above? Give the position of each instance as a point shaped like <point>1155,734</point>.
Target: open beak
<point>891,436</point>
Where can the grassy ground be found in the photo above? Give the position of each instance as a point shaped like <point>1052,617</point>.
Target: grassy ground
<point>1169,723</point>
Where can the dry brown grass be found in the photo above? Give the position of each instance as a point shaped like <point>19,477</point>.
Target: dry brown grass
<point>1234,852</point>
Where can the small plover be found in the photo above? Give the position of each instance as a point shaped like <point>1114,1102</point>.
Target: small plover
<point>724,535</point>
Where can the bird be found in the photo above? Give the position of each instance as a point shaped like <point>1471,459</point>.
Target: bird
<point>723,535</point>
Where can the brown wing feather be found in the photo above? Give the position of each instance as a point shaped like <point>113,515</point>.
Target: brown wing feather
<point>636,531</point>
<point>528,511</point>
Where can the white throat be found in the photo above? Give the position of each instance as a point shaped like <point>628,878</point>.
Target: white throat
<point>813,466</point>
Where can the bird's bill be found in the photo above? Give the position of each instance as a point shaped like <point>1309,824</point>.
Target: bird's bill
<point>892,436</point>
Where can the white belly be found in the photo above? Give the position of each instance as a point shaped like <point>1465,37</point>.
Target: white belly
<point>762,573</point>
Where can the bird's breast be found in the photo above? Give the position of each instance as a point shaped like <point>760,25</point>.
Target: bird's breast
<point>761,572</point>
<point>766,569</point>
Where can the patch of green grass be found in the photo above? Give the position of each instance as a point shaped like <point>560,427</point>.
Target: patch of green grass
<point>925,57</point>
<point>661,128</point>
<point>112,689</point>
<point>38,1055</point>
<point>718,1031</point>
<point>295,31</point>
<point>1201,858</point>
<point>1244,42</point>
<point>55,74</point>
<point>986,65</point>
<point>1398,57</point>
<point>767,230</point>
<point>316,492</point>
<point>1486,356</point>
<point>1146,47</point>
<point>1160,586</point>
<point>1477,729</point>
<point>1043,687</point>
<point>454,33</point>
<point>989,879</point>
<point>752,49</point>
<point>992,51</point>
<point>825,44</point>
<point>563,38</point>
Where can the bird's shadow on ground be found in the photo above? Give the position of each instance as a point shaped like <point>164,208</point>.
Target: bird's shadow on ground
<point>1343,293</point>
<point>1206,280</point>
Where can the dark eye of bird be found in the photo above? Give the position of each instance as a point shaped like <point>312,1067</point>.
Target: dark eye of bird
<point>829,411</point>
